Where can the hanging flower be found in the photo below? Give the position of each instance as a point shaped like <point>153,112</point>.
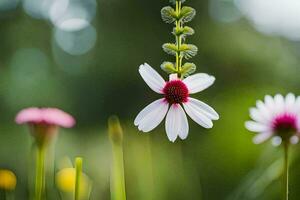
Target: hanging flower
<point>176,99</point>
<point>44,121</point>
<point>277,117</point>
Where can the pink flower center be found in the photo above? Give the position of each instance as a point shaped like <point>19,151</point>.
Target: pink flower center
<point>285,125</point>
<point>176,92</point>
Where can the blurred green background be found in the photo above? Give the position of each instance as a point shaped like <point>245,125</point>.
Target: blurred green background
<point>89,68</point>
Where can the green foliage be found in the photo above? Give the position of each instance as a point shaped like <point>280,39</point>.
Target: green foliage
<point>168,67</point>
<point>168,14</point>
<point>187,14</point>
<point>187,69</point>
<point>178,16</point>
<point>183,31</point>
<point>188,50</point>
<point>185,50</point>
<point>170,48</point>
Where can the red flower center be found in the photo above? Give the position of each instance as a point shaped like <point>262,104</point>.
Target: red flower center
<point>176,92</point>
<point>285,125</point>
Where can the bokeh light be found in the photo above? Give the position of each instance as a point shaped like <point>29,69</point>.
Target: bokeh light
<point>72,15</point>
<point>28,72</point>
<point>76,42</point>
<point>273,17</point>
<point>224,10</point>
<point>37,8</point>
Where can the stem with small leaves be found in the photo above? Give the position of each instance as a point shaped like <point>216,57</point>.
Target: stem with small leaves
<point>179,16</point>
<point>178,38</point>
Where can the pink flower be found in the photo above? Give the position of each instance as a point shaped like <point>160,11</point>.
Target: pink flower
<point>45,116</point>
<point>277,117</point>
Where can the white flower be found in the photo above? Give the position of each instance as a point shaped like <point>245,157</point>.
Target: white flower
<point>176,95</point>
<point>276,117</point>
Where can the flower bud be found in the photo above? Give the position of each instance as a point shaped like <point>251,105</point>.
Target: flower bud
<point>115,130</point>
<point>8,180</point>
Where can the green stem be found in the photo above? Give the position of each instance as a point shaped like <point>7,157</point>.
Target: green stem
<point>40,173</point>
<point>117,179</point>
<point>286,172</point>
<point>78,177</point>
<point>178,40</point>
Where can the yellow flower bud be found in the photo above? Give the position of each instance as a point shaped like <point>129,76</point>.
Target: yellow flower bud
<point>65,181</point>
<point>8,180</point>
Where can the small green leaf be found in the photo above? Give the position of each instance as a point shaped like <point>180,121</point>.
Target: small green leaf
<point>187,69</point>
<point>188,50</point>
<point>188,30</point>
<point>170,48</point>
<point>183,31</point>
<point>168,67</point>
<point>168,14</point>
<point>187,14</point>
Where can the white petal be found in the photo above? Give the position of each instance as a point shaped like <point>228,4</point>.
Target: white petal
<point>197,116</point>
<point>176,123</point>
<point>261,137</point>
<point>151,116</point>
<point>173,123</point>
<point>290,98</point>
<point>203,108</point>
<point>269,101</point>
<point>267,114</point>
<point>147,110</point>
<point>257,116</point>
<point>198,82</point>
<point>290,102</point>
<point>184,128</point>
<point>173,77</point>
<point>279,103</point>
<point>152,78</point>
<point>297,105</point>
<point>256,127</point>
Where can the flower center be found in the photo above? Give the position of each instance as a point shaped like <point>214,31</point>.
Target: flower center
<point>176,92</point>
<point>285,125</point>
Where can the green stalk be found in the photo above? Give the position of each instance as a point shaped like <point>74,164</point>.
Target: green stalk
<point>117,182</point>
<point>286,172</point>
<point>78,177</point>
<point>40,172</point>
<point>178,39</point>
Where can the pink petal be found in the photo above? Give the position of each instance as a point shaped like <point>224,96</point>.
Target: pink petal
<point>51,116</point>
<point>29,115</point>
<point>57,117</point>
